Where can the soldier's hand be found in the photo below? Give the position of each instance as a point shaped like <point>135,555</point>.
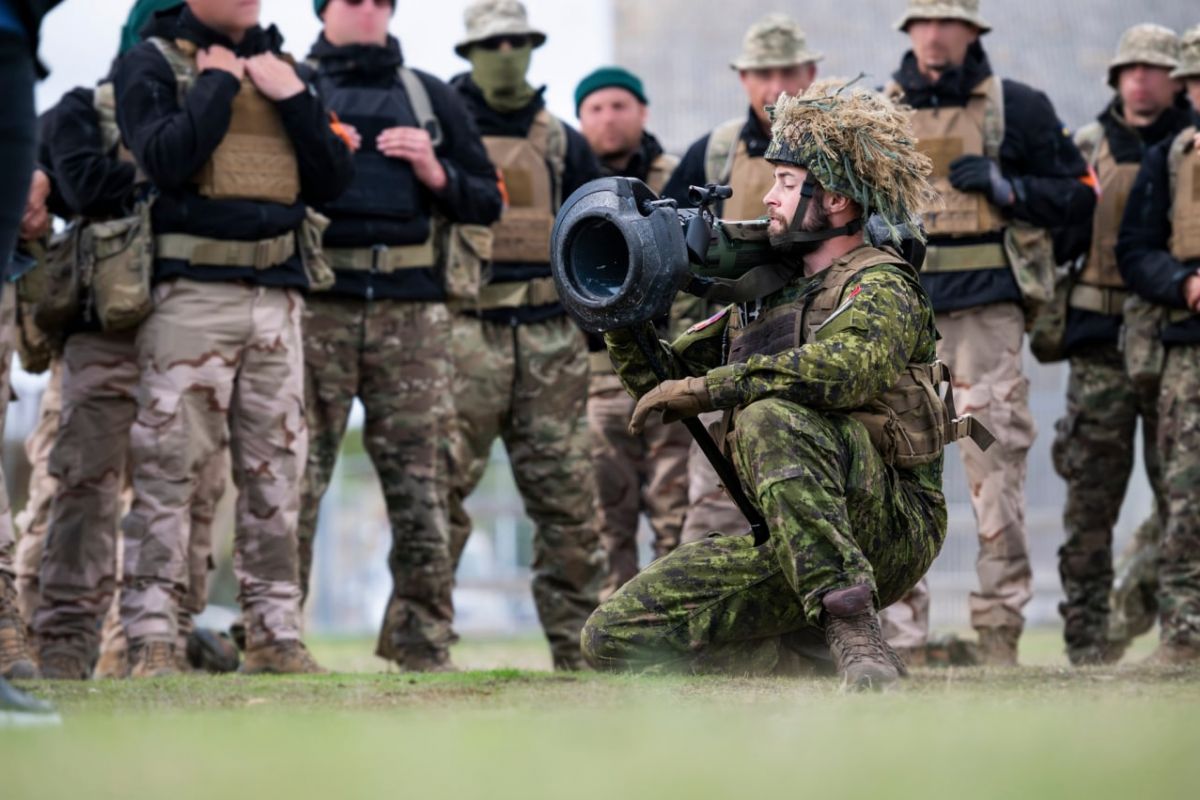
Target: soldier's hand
<point>274,77</point>
<point>222,58</point>
<point>675,399</point>
<point>414,146</point>
<point>350,135</point>
<point>35,223</point>
<point>1191,291</point>
<point>982,175</point>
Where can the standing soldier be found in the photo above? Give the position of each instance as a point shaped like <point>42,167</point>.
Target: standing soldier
<point>845,468</point>
<point>520,363</point>
<point>1094,449</point>
<point>775,58</point>
<point>1158,252</point>
<point>633,473</point>
<point>382,333</point>
<point>235,145</point>
<point>1000,157</point>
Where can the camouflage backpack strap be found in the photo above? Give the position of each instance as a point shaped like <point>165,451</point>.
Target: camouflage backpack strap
<point>721,150</point>
<point>1179,148</point>
<point>422,106</point>
<point>993,117</point>
<point>181,57</point>
<point>660,172</point>
<point>104,101</point>
<point>1088,140</point>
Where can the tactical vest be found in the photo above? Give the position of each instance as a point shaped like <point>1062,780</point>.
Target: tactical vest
<point>1183,165</point>
<point>727,160</point>
<point>533,168</point>
<point>660,172</point>
<point>104,101</point>
<point>909,424</point>
<point>946,133</point>
<point>256,160</point>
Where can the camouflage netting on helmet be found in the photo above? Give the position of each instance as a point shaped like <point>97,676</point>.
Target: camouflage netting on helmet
<point>855,143</point>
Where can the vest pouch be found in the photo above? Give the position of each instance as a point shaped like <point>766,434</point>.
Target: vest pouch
<point>310,240</point>
<point>36,348</point>
<point>466,249</point>
<point>65,273</point>
<point>1048,333</point>
<point>124,264</point>
<point>1030,254</point>
<point>1141,342</point>
<point>907,423</point>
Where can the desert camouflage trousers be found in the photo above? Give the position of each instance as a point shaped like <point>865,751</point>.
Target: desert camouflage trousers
<point>33,520</point>
<point>639,473</point>
<point>395,357</point>
<point>1094,453</point>
<point>88,464</point>
<point>8,539</point>
<point>1179,446</point>
<point>221,366</point>
<point>838,517</point>
<point>528,385</point>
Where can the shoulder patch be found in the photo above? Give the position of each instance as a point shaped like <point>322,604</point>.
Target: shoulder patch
<point>699,326</point>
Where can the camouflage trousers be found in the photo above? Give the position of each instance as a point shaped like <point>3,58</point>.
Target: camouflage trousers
<point>906,621</point>
<point>1094,453</point>
<point>528,384</point>
<point>709,507</point>
<point>221,365</point>
<point>1179,446</point>
<point>838,517</point>
<point>34,519</point>
<point>634,473</point>
<point>1134,598</point>
<point>395,357</point>
<point>89,463</point>
<point>983,348</point>
<point>8,539</point>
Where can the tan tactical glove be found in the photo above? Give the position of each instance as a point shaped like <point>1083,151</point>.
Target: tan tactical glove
<point>676,399</point>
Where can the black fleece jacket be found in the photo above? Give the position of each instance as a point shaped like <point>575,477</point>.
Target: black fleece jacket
<point>1037,155</point>
<point>172,143</point>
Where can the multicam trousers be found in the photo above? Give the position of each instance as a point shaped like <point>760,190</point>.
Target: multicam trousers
<point>838,517</point>
<point>222,365</point>
<point>395,357</point>
<point>528,384</point>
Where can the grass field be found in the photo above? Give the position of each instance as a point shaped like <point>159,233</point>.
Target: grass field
<point>512,731</point>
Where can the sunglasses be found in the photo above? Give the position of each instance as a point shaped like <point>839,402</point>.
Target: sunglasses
<point>515,41</point>
<point>378,3</point>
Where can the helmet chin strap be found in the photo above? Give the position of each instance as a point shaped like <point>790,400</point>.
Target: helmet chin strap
<point>801,242</point>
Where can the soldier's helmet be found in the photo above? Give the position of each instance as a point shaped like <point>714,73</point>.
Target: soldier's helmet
<point>961,10</point>
<point>856,143</point>
<point>776,40</point>
<point>1189,55</point>
<point>487,19</point>
<point>1144,44</point>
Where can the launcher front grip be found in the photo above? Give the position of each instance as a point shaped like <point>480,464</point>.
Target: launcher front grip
<point>723,466</point>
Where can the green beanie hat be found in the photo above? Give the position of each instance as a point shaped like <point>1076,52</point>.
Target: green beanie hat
<point>319,6</point>
<point>607,78</point>
<point>139,15</point>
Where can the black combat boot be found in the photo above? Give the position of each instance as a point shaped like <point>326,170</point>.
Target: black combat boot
<point>852,630</point>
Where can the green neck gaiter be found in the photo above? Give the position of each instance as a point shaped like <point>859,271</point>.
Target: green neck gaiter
<point>501,77</point>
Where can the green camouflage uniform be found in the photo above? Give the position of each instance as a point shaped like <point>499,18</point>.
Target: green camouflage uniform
<point>839,516</point>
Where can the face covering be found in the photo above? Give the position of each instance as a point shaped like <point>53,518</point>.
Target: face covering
<point>501,76</point>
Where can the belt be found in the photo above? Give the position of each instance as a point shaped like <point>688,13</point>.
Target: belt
<point>200,251</point>
<point>965,258</point>
<point>1100,299</point>
<point>381,258</point>
<point>535,292</point>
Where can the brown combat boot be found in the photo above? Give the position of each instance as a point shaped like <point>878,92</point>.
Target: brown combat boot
<point>426,659</point>
<point>1174,654</point>
<point>212,651</point>
<point>281,658</point>
<point>998,646</point>
<point>16,660</point>
<point>153,660</point>
<point>61,662</point>
<point>852,630</point>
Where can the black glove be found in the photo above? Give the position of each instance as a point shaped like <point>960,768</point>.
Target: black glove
<point>981,174</point>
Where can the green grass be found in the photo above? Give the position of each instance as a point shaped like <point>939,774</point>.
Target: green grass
<point>1039,731</point>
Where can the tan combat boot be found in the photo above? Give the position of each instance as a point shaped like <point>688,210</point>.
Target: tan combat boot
<point>1174,654</point>
<point>998,646</point>
<point>16,660</point>
<point>153,660</point>
<point>427,659</point>
<point>60,661</point>
<point>852,631</point>
<point>281,658</point>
